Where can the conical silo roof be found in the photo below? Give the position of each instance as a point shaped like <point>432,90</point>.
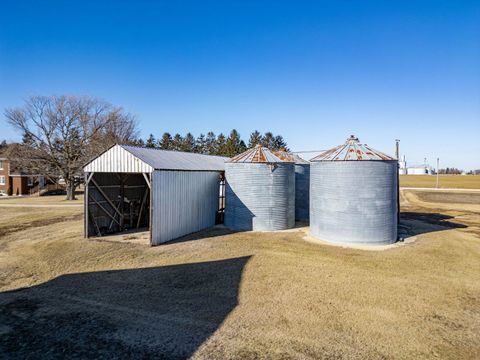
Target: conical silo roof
<point>352,150</point>
<point>290,157</point>
<point>258,154</point>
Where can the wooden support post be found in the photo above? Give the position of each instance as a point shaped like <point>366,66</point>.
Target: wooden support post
<point>86,204</point>
<point>105,211</point>
<point>95,225</point>
<point>122,197</point>
<point>112,221</point>
<point>89,177</point>
<point>105,196</point>
<point>141,207</point>
<point>147,180</point>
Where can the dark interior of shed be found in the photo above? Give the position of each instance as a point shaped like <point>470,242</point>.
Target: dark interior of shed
<point>117,202</point>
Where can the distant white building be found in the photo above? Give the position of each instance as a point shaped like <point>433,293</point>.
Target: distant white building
<point>419,170</point>
<point>424,169</point>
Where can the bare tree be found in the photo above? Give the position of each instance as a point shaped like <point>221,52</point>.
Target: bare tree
<point>61,133</point>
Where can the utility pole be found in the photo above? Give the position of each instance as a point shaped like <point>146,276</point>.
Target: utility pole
<point>397,154</point>
<point>438,169</point>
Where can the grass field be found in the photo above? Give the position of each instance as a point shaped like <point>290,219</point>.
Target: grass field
<point>41,200</point>
<point>445,181</point>
<point>222,295</point>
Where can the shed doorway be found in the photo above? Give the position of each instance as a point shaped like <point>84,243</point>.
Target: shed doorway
<point>116,202</point>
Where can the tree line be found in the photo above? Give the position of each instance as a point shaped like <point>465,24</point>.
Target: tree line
<point>212,144</point>
<point>450,171</point>
<point>60,134</point>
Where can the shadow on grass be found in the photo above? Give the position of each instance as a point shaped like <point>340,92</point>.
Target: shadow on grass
<point>217,230</point>
<point>415,223</point>
<point>159,312</point>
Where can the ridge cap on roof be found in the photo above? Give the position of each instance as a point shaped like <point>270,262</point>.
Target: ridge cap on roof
<point>358,148</point>
<point>248,156</point>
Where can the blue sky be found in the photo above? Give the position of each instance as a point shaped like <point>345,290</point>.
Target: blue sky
<point>314,72</point>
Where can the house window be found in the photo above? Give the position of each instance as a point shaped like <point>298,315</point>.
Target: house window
<point>2,180</point>
<point>30,181</point>
<point>1,164</point>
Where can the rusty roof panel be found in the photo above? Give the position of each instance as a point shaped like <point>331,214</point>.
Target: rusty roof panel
<point>258,154</point>
<point>352,150</point>
<point>290,157</point>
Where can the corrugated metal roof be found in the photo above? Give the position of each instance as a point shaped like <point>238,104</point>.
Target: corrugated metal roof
<point>177,160</point>
<point>352,150</point>
<point>258,154</point>
<point>290,157</point>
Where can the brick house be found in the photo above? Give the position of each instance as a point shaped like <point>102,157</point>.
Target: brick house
<point>17,182</point>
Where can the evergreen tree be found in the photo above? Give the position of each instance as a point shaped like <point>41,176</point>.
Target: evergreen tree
<point>220,146</point>
<point>166,142</point>
<point>242,147</point>
<point>188,144</point>
<point>138,142</point>
<point>268,140</point>
<point>151,142</point>
<point>211,144</point>
<point>27,139</point>
<point>201,144</point>
<point>3,147</point>
<point>234,144</point>
<point>279,143</point>
<point>177,142</point>
<point>255,139</point>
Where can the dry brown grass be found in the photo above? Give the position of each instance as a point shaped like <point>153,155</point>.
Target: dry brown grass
<point>40,200</point>
<point>283,297</point>
<point>450,198</point>
<point>20,218</point>
<point>445,181</point>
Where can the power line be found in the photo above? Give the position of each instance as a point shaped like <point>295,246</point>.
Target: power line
<point>307,151</point>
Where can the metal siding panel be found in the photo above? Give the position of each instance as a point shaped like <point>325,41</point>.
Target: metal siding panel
<point>117,160</point>
<point>183,202</point>
<point>112,164</point>
<point>302,192</point>
<point>260,196</point>
<point>354,201</point>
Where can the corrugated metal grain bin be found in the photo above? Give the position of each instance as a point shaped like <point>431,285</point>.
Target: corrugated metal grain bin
<point>302,184</point>
<point>260,191</point>
<point>353,195</point>
<point>172,193</point>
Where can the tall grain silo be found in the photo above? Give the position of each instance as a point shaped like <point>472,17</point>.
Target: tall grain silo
<point>260,191</point>
<point>302,184</point>
<point>353,195</point>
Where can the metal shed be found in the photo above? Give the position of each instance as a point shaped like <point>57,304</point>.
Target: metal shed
<point>260,191</point>
<point>169,192</point>
<point>354,195</point>
<point>302,183</point>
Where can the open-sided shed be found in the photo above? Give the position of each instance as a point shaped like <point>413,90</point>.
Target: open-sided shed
<point>171,193</point>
